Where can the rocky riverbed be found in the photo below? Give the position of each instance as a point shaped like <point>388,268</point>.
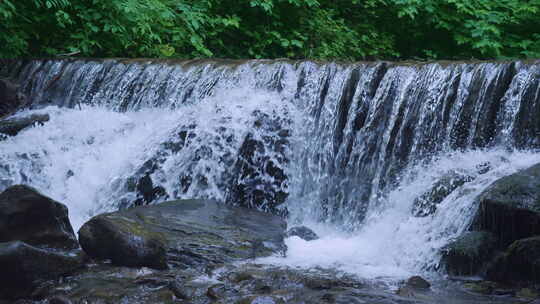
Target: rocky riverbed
<point>200,251</point>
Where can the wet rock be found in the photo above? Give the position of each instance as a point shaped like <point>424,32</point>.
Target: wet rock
<point>24,267</point>
<point>482,287</point>
<point>124,241</point>
<point>302,232</point>
<point>427,203</point>
<point>469,253</point>
<point>12,126</point>
<point>406,292</point>
<point>528,293</point>
<point>510,207</point>
<point>28,216</point>
<point>147,191</point>
<point>195,233</point>
<point>178,290</point>
<point>417,282</point>
<point>10,98</point>
<point>414,287</point>
<point>259,180</point>
<point>519,263</point>
<point>59,300</point>
<point>238,277</point>
<point>261,300</point>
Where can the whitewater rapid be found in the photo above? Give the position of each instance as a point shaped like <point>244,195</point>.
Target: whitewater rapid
<point>393,244</point>
<point>358,144</point>
<point>81,155</point>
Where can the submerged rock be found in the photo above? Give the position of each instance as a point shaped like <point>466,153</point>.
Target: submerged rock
<point>510,207</point>
<point>519,263</point>
<point>28,216</point>
<point>469,253</point>
<point>59,300</point>
<point>124,241</point>
<point>413,287</point>
<point>427,203</point>
<point>302,232</point>
<point>417,282</point>
<point>13,126</point>
<point>488,288</point>
<point>10,98</point>
<point>24,267</point>
<point>261,300</point>
<point>188,233</point>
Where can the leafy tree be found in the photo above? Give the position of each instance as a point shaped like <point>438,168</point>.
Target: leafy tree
<point>317,29</point>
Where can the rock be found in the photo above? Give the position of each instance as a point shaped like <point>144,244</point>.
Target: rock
<point>28,216</point>
<point>302,232</point>
<point>413,287</point>
<point>417,282</point>
<point>13,126</point>
<point>221,292</point>
<point>238,277</point>
<point>24,267</point>
<point>406,292</point>
<point>482,287</point>
<point>519,263</point>
<point>527,293</point>
<point>178,290</point>
<point>427,203</point>
<point>59,300</point>
<point>469,253</point>
<point>10,98</point>
<point>259,180</point>
<point>196,234</point>
<point>124,241</point>
<point>261,300</point>
<point>147,191</point>
<point>510,207</point>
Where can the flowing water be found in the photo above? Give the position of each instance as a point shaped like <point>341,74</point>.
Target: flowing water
<point>347,147</point>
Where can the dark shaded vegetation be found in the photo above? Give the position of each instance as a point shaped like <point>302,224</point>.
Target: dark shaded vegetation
<point>316,29</point>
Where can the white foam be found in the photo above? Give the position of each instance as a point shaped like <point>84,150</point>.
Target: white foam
<point>393,244</point>
<point>101,148</point>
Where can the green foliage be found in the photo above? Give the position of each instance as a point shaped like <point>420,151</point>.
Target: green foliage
<point>317,29</point>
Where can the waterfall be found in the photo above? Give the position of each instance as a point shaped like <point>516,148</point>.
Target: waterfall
<point>347,148</point>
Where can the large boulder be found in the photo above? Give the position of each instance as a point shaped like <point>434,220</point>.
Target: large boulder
<point>13,126</point>
<point>186,233</point>
<point>24,267</point>
<point>510,207</point>
<point>10,98</point>
<point>28,216</point>
<point>519,263</point>
<point>124,241</point>
<point>469,253</point>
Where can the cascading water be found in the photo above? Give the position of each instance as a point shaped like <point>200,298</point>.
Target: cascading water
<point>345,148</point>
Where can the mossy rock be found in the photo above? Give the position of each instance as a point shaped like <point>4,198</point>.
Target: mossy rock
<point>519,263</point>
<point>124,241</point>
<point>510,207</point>
<point>185,233</point>
<point>469,253</point>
